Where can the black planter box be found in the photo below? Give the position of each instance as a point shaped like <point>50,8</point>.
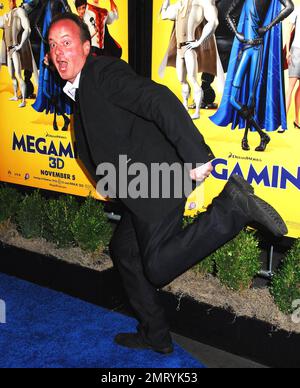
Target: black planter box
<point>216,327</point>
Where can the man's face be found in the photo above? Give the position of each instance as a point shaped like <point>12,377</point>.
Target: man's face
<point>67,51</point>
<point>12,4</point>
<point>81,11</point>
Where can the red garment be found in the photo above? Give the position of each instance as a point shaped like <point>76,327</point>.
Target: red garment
<point>113,6</point>
<point>101,16</point>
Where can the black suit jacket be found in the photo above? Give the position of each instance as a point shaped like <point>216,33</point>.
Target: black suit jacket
<point>120,113</point>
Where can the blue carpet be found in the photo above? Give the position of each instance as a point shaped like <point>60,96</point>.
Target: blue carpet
<point>47,329</point>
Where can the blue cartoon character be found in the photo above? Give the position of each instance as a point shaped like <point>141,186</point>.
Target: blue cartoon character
<point>254,96</point>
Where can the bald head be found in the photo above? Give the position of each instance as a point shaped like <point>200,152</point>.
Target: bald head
<point>68,51</point>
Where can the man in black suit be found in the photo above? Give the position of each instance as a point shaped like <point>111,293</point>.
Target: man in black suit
<point>119,113</point>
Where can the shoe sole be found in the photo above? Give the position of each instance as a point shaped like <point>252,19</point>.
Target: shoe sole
<point>241,183</point>
<point>268,217</point>
<point>263,212</point>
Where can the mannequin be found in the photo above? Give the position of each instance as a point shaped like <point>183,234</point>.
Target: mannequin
<point>195,25</point>
<point>32,8</point>
<point>16,51</point>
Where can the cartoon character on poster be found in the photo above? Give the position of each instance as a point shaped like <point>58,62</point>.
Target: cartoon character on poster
<point>50,97</point>
<point>16,52</point>
<point>192,47</point>
<point>254,96</point>
<point>98,19</point>
<point>89,18</point>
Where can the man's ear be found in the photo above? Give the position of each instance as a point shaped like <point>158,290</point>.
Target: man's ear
<point>86,48</point>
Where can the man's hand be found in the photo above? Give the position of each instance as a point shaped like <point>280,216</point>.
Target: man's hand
<point>201,173</point>
<point>47,59</point>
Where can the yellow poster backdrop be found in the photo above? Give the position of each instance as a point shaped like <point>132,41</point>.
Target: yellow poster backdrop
<point>275,173</point>
<point>31,152</point>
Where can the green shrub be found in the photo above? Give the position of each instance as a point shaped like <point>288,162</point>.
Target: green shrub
<point>206,266</point>
<point>10,200</point>
<point>238,261</point>
<point>31,215</point>
<point>59,217</point>
<point>91,228</point>
<point>285,287</point>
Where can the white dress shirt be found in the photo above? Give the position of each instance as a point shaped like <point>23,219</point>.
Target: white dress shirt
<point>70,88</point>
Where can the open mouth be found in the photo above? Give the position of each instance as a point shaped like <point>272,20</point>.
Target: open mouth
<point>62,66</point>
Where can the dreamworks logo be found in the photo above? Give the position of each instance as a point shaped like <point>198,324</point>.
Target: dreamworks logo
<point>2,311</point>
<point>296,314</point>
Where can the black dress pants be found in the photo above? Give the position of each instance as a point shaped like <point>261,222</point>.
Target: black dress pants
<point>149,256</point>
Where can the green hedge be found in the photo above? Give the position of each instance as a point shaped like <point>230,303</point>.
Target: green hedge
<point>10,200</point>
<point>30,217</point>
<point>285,286</point>
<point>59,216</point>
<point>90,226</point>
<point>238,262</point>
<point>62,221</point>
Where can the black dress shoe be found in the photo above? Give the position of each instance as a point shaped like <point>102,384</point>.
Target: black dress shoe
<point>135,341</point>
<point>245,145</point>
<point>66,123</point>
<point>256,209</point>
<point>263,144</point>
